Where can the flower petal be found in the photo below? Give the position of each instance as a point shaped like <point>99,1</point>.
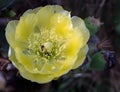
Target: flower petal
<point>61,23</point>
<point>10,32</point>
<point>79,25</point>
<point>81,56</point>
<point>51,67</point>
<point>12,57</point>
<point>35,77</point>
<point>25,59</point>
<point>25,27</point>
<point>67,66</point>
<point>31,11</point>
<point>45,13</point>
<point>73,45</point>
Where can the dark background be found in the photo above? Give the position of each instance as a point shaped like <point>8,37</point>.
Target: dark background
<point>101,69</point>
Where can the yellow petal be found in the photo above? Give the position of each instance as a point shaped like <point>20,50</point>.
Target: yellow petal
<point>67,66</point>
<point>72,63</point>
<point>47,68</point>
<point>73,45</point>
<point>61,23</point>
<point>25,27</point>
<point>45,13</point>
<point>10,32</point>
<point>31,11</point>
<point>81,56</point>
<point>79,25</point>
<point>51,67</point>
<point>12,57</point>
<point>36,77</point>
<point>27,60</point>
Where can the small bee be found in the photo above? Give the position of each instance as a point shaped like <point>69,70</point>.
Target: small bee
<point>42,47</point>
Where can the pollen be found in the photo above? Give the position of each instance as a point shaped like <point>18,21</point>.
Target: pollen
<point>46,45</point>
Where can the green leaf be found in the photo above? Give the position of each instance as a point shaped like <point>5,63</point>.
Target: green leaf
<point>12,13</point>
<point>8,13</point>
<point>98,62</point>
<point>93,28</point>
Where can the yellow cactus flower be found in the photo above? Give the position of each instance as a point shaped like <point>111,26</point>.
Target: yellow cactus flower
<point>46,43</point>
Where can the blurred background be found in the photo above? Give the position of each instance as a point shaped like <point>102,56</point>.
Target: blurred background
<point>100,71</point>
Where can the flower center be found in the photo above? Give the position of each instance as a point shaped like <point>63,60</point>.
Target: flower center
<point>45,45</point>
